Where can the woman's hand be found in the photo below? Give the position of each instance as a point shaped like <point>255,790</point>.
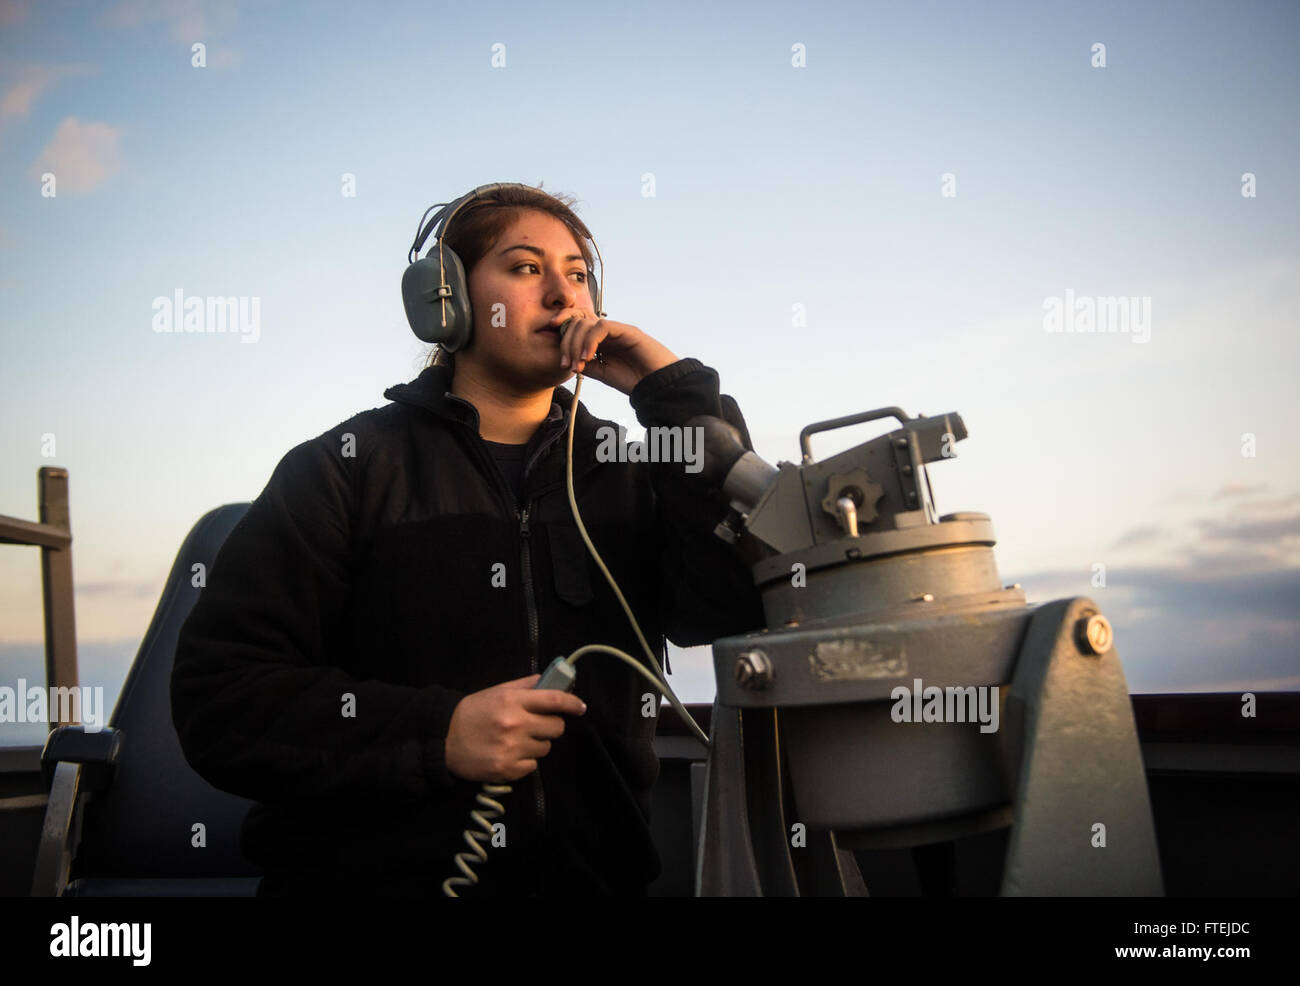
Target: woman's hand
<point>497,735</point>
<point>629,354</point>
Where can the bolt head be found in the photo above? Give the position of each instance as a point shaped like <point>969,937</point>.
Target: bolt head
<point>753,670</point>
<point>1095,634</point>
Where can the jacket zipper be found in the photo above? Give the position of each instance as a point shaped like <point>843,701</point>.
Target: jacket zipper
<point>539,794</point>
<point>525,560</point>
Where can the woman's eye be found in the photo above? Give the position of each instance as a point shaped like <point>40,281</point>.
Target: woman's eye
<point>580,273</point>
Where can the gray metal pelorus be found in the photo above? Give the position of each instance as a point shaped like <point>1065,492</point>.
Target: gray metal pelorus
<point>900,695</point>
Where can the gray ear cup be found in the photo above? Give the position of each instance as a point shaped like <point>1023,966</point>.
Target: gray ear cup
<point>435,314</point>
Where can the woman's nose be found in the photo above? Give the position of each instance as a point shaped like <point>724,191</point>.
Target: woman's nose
<point>563,291</point>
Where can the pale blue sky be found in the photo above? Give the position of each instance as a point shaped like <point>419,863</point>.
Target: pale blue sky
<point>775,186</point>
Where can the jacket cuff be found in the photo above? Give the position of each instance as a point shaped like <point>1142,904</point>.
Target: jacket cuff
<point>442,704</point>
<point>675,393</point>
<point>668,374</point>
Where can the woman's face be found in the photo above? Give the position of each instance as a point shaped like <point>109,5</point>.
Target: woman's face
<point>534,269</point>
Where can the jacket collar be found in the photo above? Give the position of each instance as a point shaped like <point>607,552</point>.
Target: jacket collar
<point>431,390</point>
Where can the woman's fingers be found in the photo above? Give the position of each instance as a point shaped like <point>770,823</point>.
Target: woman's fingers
<point>577,339</point>
<point>578,344</point>
<point>569,325</point>
<point>591,341</point>
<point>535,749</point>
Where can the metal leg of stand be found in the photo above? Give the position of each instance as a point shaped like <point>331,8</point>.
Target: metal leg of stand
<point>725,864</point>
<point>1083,824</point>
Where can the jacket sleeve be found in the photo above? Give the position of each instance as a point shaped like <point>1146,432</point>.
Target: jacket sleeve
<point>707,586</point>
<point>257,707</point>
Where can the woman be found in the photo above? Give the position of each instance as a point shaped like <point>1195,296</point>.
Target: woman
<point>363,655</point>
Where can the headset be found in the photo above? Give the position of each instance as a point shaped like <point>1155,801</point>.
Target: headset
<point>425,283</point>
<point>429,282</point>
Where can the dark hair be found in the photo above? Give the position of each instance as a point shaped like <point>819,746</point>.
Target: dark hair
<point>475,229</point>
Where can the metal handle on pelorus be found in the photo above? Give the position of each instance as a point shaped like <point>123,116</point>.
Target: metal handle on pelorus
<point>852,419</point>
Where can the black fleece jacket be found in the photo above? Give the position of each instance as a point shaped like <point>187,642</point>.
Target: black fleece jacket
<point>361,597</point>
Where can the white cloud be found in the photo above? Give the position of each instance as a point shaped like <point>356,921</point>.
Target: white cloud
<point>81,156</point>
<point>187,20</point>
<point>25,83</point>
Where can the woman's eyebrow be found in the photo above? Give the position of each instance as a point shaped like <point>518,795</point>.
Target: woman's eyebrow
<point>536,250</point>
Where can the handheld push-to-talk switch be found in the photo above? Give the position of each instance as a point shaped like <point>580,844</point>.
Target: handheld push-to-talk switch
<point>559,674</point>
